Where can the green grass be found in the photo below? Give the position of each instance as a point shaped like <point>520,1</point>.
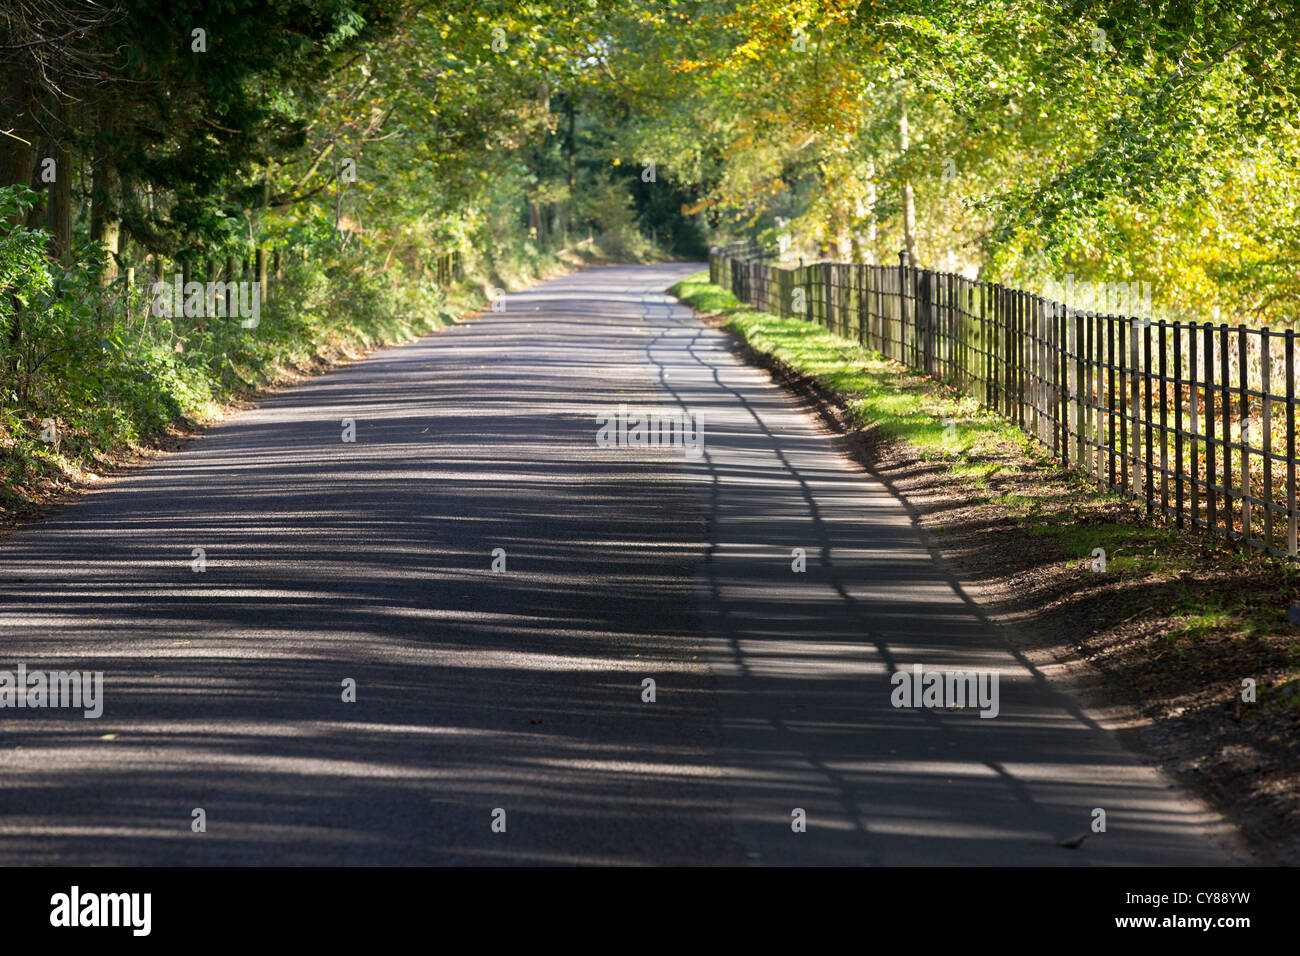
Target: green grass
<point>880,393</point>
<point>702,296</point>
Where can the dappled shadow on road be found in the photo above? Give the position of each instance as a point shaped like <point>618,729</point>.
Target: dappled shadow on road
<point>806,658</point>
<point>521,688</point>
<point>372,560</point>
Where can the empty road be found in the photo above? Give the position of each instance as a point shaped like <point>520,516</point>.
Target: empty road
<point>499,713</point>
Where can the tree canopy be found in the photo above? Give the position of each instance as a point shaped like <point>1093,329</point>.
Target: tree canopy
<point>357,144</point>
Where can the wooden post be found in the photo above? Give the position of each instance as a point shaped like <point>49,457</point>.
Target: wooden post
<point>1265,359</point>
<point>1290,443</point>
<point>1149,417</point>
<point>1178,422</point>
<point>1225,409</point>
<point>1211,498</point>
<point>1243,430</point>
<point>264,286</point>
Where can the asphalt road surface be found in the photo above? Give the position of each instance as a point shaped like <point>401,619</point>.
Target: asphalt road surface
<point>521,689</point>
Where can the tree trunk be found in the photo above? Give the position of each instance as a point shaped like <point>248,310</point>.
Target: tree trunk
<point>59,202</point>
<point>105,220</point>
<point>36,215</point>
<point>872,198</point>
<point>18,150</point>
<point>19,167</point>
<point>264,287</point>
<point>573,145</point>
<point>230,278</point>
<point>909,199</point>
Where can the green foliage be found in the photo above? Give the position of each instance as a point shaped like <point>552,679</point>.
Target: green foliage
<point>100,368</point>
<point>360,141</point>
<point>1115,140</point>
<point>610,206</point>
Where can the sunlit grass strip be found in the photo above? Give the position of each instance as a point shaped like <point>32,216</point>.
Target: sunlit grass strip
<point>880,393</point>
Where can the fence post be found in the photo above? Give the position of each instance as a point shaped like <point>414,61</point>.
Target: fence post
<point>1289,356</point>
<point>902,303</point>
<point>1163,345</point>
<point>926,309</point>
<point>862,304</point>
<point>985,358</point>
<point>1147,468</point>
<point>1243,430</point>
<point>1211,498</point>
<point>1265,359</point>
<point>1061,322</point>
<point>1178,420</point>
<point>805,273</point>
<point>827,275</point>
<point>1080,400</point>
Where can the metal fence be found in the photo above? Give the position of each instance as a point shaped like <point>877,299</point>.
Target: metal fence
<point>1198,421</point>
